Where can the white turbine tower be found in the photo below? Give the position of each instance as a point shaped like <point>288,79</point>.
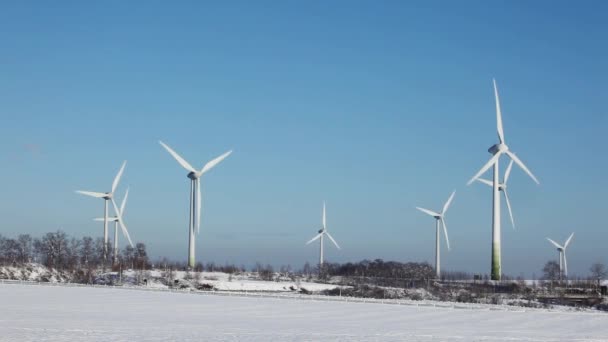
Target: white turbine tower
<point>119,217</point>
<point>497,151</point>
<point>563,264</point>
<point>322,232</point>
<point>439,218</point>
<point>195,195</point>
<point>503,187</point>
<point>107,196</point>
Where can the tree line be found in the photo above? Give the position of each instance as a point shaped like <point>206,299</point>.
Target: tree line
<point>57,250</point>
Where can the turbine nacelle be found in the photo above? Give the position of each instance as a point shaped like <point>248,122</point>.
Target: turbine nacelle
<point>194,175</point>
<point>496,148</point>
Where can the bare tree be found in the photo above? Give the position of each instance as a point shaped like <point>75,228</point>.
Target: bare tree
<point>266,273</point>
<point>141,256</point>
<point>129,256</point>
<point>599,272</point>
<point>551,271</point>
<point>25,248</point>
<point>87,251</point>
<point>10,251</point>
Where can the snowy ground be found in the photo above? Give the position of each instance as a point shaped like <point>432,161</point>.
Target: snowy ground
<point>242,282</point>
<point>45,313</point>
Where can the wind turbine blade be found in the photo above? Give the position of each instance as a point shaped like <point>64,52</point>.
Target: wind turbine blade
<point>92,194</point>
<point>485,168</point>
<point>324,220</point>
<point>124,202</point>
<point>198,205</point>
<point>214,162</point>
<point>504,191</point>
<point>118,175</point>
<point>177,157</point>
<point>125,232</point>
<point>428,212</point>
<point>501,134</point>
<point>568,241</point>
<point>110,219</point>
<point>332,239</point>
<point>445,231</point>
<point>508,172</point>
<point>315,238</point>
<point>447,204</point>
<point>521,164</point>
<point>555,243</point>
<point>565,263</point>
<point>485,181</point>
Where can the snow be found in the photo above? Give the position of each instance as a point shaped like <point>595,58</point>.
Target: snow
<point>226,282</point>
<point>59,313</point>
<point>32,272</point>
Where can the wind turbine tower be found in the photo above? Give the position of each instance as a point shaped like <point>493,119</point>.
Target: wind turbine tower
<point>107,196</point>
<point>563,263</point>
<point>439,220</point>
<point>116,219</point>
<point>321,233</point>
<point>497,150</point>
<point>195,195</point>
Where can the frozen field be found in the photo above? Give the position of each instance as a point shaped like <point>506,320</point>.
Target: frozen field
<point>43,313</point>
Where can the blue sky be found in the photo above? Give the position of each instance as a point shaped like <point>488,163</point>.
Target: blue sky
<point>374,107</point>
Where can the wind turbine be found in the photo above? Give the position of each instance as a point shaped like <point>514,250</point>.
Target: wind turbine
<point>107,196</point>
<point>195,195</point>
<point>563,264</point>
<point>503,187</point>
<point>116,219</point>
<point>322,232</point>
<point>497,150</point>
<point>439,217</point>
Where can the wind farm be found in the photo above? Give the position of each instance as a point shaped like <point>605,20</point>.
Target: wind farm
<point>303,171</point>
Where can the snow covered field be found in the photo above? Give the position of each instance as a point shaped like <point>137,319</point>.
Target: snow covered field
<point>47,313</point>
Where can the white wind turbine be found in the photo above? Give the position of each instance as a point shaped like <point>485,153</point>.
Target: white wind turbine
<point>563,264</point>
<point>439,217</point>
<point>322,232</point>
<point>503,187</point>
<point>195,195</point>
<point>108,196</point>
<point>119,217</point>
<point>497,151</point>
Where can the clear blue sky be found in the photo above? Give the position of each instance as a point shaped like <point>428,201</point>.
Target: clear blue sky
<point>374,107</point>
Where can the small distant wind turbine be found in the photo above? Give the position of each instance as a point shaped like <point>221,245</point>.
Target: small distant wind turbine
<point>503,187</point>
<point>563,263</point>
<point>195,195</point>
<point>322,232</point>
<point>439,217</point>
<point>119,217</point>
<point>107,196</point>
<point>497,150</point>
